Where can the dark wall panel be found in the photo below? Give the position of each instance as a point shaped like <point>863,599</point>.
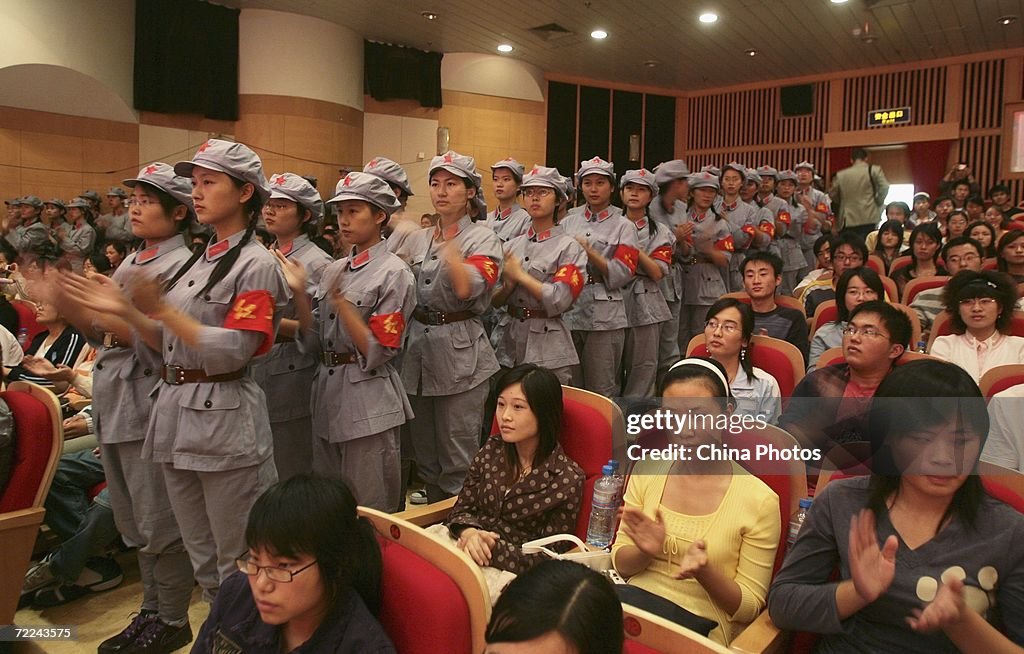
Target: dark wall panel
<point>594,120</point>
<point>627,119</point>
<point>561,138</point>
<point>660,130</point>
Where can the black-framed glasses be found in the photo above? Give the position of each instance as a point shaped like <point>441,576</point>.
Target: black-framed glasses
<point>274,573</point>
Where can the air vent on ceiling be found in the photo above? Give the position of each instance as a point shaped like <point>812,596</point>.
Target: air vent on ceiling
<point>550,31</point>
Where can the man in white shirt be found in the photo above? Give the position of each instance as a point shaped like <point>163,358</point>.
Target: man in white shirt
<point>1005,444</point>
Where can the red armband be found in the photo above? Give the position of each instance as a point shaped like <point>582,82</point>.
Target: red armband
<point>663,253</point>
<point>749,230</point>
<point>628,256</point>
<point>768,227</point>
<point>821,208</point>
<point>785,218</point>
<point>488,269</point>
<point>570,275</point>
<point>388,328</point>
<point>725,244</point>
<point>253,311</point>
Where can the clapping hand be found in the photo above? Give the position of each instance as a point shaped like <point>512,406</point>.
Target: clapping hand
<point>872,567</point>
<point>647,534</point>
<point>694,560</point>
<point>947,608</point>
<point>294,272</point>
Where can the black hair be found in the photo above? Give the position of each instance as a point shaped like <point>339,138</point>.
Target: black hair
<point>316,516</point>
<point>960,182</point>
<point>169,204</point>
<point>964,240</point>
<point>687,372</point>
<point>858,154</point>
<point>8,251</point>
<point>1004,242</point>
<point>543,393</point>
<point>968,284</point>
<point>901,206</point>
<point>990,250</point>
<point>940,393</point>
<point>975,199</point>
<point>120,246</point>
<point>895,321</point>
<point>746,328</point>
<point>866,275</point>
<point>931,230</point>
<point>821,241</point>
<point>854,241</point>
<point>774,260</point>
<point>100,262</point>
<point>578,603</point>
<point>894,226</point>
<point>998,188</point>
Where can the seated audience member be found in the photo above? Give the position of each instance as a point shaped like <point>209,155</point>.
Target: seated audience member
<point>823,263</point>
<point>9,287</point>
<point>97,263</point>
<point>727,334</point>
<point>310,582</point>
<point>828,405</point>
<point>855,287</point>
<point>10,351</point>
<point>981,307</point>
<point>925,557</point>
<point>848,251</point>
<point>6,444</point>
<point>1001,200</point>
<point>1005,444</point>
<point>762,276</point>
<point>985,235</point>
<point>86,529</point>
<point>997,220</point>
<point>557,606</point>
<point>958,254</point>
<point>115,252</point>
<point>521,486</point>
<point>894,212</point>
<point>60,344</point>
<point>956,224</point>
<point>925,243</point>
<point>922,210</point>
<point>943,207</point>
<point>697,539</point>
<point>975,208</point>
<point>889,243</point>
<point>1010,255</point>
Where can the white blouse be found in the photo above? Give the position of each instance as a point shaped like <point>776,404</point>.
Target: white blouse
<point>977,357</point>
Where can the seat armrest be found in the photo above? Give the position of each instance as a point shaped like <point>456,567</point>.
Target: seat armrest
<point>428,514</point>
<point>761,637</point>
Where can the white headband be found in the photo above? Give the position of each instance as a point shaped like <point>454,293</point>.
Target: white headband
<point>703,363</point>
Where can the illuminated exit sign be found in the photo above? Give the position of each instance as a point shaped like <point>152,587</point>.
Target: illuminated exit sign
<point>898,116</point>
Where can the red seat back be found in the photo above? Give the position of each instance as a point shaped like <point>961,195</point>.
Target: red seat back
<point>27,320</point>
<point>772,361</point>
<point>412,586</point>
<point>33,441</point>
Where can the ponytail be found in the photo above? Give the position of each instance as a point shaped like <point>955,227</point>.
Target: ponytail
<point>365,578</point>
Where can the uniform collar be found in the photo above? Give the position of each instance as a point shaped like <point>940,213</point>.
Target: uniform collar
<point>503,215</point>
<point>699,217</point>
<point>359,261</point>
<point>163,247</point>
<point>600,216</point>
<point>543,236</point>
<point>640,224</point>
<point>765,200</point>
<point>217,250</point>
<point>452,231</point>
<point>297,244</point>
<point>731,207</point>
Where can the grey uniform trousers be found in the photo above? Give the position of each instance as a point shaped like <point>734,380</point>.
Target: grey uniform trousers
<point>600,360</point>
<point>370,466</point>
<point>640,359</point>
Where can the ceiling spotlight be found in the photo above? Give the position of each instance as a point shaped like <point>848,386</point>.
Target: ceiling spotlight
<point>651,63</point>
<point>839,2</point>
<point>599,34</point>
<point>429,15</point>
<point>504,47</point>
<point>1006,20</point>
<point>751,53</point>
<point>708,17</point>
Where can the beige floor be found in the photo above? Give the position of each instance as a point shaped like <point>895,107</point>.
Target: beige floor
<point>99,616</point>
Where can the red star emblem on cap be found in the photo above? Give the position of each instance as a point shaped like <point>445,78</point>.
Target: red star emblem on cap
<point>347,181</point>
<point>595,160</point>
<point>149,170</point>
<point>373,163</point>
<point>448,157</point>
<point>202,148</point>
<point>507,159</point>
<point>280,180</point>
<point>534,171</point>
<point>642,172</point>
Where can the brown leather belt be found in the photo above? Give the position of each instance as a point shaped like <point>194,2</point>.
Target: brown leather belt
<point>331,359</point>
<point>176,375</point>
<point>522,313</point>
<point>427,317</point>
<point>110,341</point>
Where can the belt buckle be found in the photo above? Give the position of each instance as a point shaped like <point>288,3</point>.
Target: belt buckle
<point>109,340</point>
<point>327,358</point>
<point>519,313</point>
<point>435,318</point>
<point>174,375</point>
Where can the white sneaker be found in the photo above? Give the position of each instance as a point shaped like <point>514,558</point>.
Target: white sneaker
<point>418,497</point>
<point>39,576</point>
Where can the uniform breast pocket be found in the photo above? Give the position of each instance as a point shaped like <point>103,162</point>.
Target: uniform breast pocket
<point>363,301</point>
<point>541,267</point>
<point>217,303</point>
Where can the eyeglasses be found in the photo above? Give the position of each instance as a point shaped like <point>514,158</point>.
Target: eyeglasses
<point>847,258</point>
<point>866,332</point>
<point>537,192</point>
<point>280,575</point>
<point>140,202</point>
<point>983,302</point>
<point>964,259</point>
<point>728,327</point>
<point>274,207</point>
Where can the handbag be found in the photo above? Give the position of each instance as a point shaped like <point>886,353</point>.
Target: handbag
<point>598,559</point>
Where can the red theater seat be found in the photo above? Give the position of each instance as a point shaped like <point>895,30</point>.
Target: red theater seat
<point>776,357</point>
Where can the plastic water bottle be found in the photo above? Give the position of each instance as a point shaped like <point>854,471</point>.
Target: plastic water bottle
<point>607,491</point>
<point>798,521</point>
<point>922,347</point>
<point>22,337</point>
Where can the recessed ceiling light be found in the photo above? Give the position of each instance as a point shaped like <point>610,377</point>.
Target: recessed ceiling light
<point>651,63</point>
<point>599,34</point>
<point>708,17</point>
<point>751,53</point>
<point>504,47</point>
<point>429,15</point>
<point>1006,20</point>
<point>839,2</point>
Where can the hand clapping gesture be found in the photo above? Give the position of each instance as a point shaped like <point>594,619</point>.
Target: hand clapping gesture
<point>695,559</point>
<point>872,567</point>
<point>947,608</point>
<point>647,534</point>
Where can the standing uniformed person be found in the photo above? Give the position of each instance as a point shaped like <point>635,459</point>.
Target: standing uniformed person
<point>598,319</point>
<point>708,246</point>
<point>819,210</point>
<point>53,214</point>
<point>123,376</point>
<point>29,234</point>
<point>646,308</point>
<point>508,219</point>
<point>356,327</point>
<point>79,240</point>
<point>668,209</point>
<point>790,220</point>
<point>291,215</point>
<point>400,224</point>
<point>742,219</point>
<point>116,225</point>
<point>448,361</point>
<point>209,426</point>
<point>544,273</point>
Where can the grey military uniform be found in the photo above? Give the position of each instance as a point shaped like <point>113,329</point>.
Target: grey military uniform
<point>446,367</point>
<point>742,219</point>
<point>598,319</point>
<point>671,285</point>
<point>214,438</point>
<point>510,223</point>
<point>359,407</point>
<point>822,203</point>
<point>704,282</point>
<point>77,243</point>
<point>26,238</point>
<point>646,310</point>
<point>116,228</point>
<point>789,225</point>
<point>286,375</point>
<point>122,380</point>
<point>559,263</point>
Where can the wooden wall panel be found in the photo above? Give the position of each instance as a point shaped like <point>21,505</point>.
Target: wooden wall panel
<point>922,89</point>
